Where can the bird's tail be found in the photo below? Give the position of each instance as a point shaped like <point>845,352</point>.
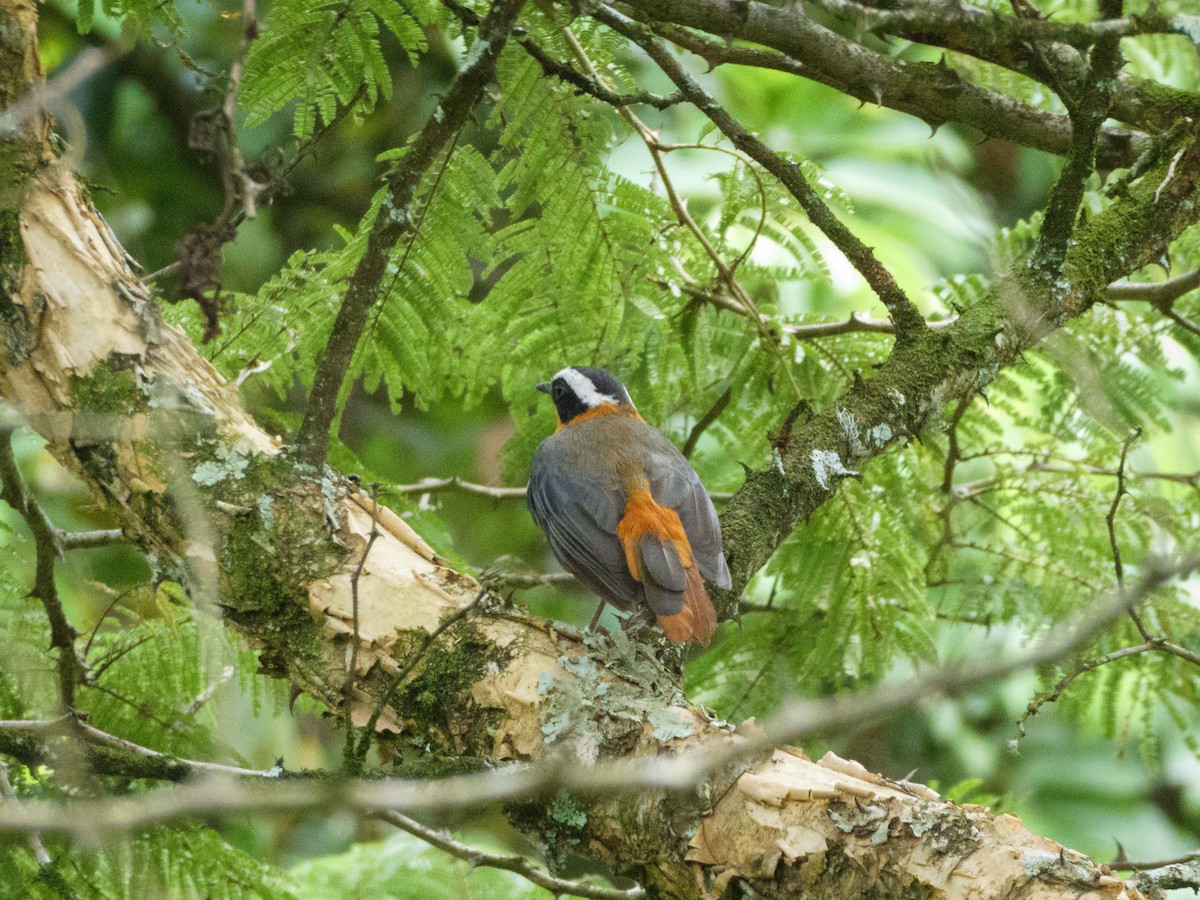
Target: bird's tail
<point>659,556</point>
<point>696,620</point>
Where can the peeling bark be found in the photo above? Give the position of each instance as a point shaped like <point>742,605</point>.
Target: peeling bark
<point>127,403</point>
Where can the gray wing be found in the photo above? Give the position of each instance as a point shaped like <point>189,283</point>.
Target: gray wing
<point>579,516</point>
<point>674,483</point>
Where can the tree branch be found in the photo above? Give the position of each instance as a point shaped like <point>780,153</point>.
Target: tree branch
<point>454,483</point>
<point>679,772</point>
<point>48,541</point>
<point>592,86</point>
<point>1140,102</point>
<point>1087,118</point>
<point>396,220</point>
<point>906,317</point>
<point>934,93</point>
<point>40,742</point>
<point>516,864</point>
<point>947,17</point>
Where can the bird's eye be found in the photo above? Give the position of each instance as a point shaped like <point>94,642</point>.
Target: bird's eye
<point>559,390</point>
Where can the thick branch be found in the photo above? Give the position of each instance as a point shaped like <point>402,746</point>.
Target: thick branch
<point>395,220</point>
<point>944,18</point>
<point>934,93</point>
<point>1140,102</point>
<point>1087,118</point>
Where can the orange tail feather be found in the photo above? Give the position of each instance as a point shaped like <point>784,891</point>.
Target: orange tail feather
<point>697,621</point>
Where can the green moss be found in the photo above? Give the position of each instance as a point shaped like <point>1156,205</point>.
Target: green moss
<point>439,765</point>
<point>560,824</point>
<point>269,560</point>
<point>14,328</point>
<point>111,387</point>
<point>438,698</point>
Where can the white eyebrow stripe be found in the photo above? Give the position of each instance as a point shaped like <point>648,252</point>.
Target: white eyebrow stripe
<point>584,389</point>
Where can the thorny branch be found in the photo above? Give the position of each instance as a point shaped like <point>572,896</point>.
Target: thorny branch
<point>934,93</point>
<point>396,219</point>
<point>1087,118</point>
<point>930,19</point>
<point>789,29</point>
<point>508,863</point>
<point>588,83</point>
<point>679,772</point>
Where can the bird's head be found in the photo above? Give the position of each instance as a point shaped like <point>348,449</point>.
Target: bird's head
<point>581,392</point>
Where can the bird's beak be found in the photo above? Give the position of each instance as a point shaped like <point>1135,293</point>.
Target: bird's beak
<point>544,387</point>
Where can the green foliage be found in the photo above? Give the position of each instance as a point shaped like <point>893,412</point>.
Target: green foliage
<point>326,56</point>
<point>546,237</point>
<point>402,867</point>
<point>137,15</point>
<point>173,863</point>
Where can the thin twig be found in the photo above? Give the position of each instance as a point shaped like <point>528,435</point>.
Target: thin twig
<point>364,743</point>
<point>454,483</point>
<point>1052,695</point>
<point>516,580</point>
<point>904,314</point>
<point>245,189</point>
<point>352,760</point>
<point>706,420</point>
<point>87,540</point>
<point>518,865</point>
<point>855,324</point>
<point>48,543</point>
<point>1110,520</point>
<point>591,85</point>
<point>1122,864</point>
<point>34,838</point>
<point>86,64</point>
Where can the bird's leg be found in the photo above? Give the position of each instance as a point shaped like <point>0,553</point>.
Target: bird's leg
<point>596,616</point>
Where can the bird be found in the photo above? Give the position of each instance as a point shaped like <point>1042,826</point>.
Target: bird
<point>623,510</point>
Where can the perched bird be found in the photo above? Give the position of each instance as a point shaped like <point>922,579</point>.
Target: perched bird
<point>622,509</point>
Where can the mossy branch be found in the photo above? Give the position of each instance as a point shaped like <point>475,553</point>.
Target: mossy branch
<point>395,220</point>
<point>909,391</point>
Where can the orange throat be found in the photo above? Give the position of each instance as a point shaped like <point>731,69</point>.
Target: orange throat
<point>599,412</point>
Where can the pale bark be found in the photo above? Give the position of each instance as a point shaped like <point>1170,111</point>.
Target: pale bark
<point>128,404</point>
